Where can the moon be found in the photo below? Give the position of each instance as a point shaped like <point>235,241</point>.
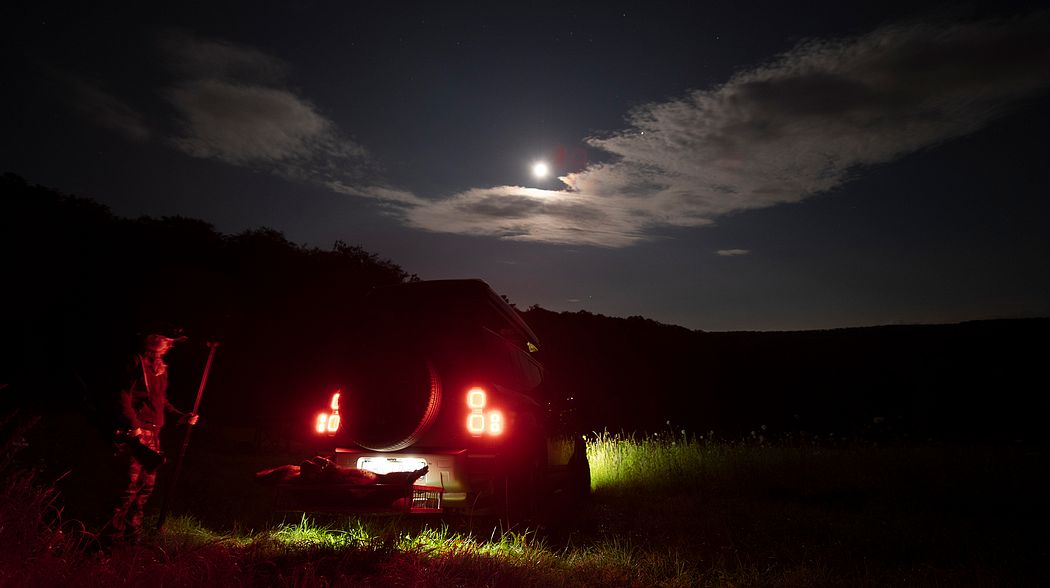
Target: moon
<point>540,169</point>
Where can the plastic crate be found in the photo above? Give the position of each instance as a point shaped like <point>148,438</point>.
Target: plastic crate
<point>426,499</point>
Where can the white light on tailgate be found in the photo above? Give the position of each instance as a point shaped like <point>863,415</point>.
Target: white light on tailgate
<point>385,465</point>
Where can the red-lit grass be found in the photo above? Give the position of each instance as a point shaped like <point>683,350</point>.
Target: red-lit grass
<point>667,510</point>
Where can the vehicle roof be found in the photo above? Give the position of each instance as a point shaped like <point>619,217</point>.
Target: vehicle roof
<point>455,294</point>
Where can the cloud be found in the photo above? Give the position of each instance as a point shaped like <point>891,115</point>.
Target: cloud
<point>377,192</point>
<point>103,109</point>
<point>802,124</point>
<point>198,58</point>
<point>233,106</point>
<point>527,214</point>
<point>733,252</point>
<point>249,124</point>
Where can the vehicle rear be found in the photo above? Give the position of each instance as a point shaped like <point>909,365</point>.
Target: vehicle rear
<point>441,375</point>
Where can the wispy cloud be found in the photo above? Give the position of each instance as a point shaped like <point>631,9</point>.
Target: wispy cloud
<point>103,108</point>
<point>803,123</point>
<point>233,106</point>
<point>733,252</point>
<point>201,58</point>
<point>375,191</point>
<point>249,124</point>
<point>799,125</point>
<point>528,214</point>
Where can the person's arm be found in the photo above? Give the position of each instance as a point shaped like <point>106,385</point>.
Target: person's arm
<point>185,418</point>
<point>168,406</point>
<point>129,419</point>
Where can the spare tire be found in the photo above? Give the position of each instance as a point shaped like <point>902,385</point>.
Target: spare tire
<point>391,400</point>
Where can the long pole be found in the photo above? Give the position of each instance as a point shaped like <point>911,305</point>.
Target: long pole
<point>212,346</point>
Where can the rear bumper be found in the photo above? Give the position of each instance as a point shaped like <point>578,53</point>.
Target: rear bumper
<point>350,498</point>
<point>467,481</point>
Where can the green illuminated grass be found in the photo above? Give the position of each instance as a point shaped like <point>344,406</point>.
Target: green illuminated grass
<point>621,463</point>
<point>667,510</point>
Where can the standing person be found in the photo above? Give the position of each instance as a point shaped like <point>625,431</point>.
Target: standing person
<point>143,400</point>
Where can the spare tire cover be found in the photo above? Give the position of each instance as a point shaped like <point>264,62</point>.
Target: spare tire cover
<point>392,399</point>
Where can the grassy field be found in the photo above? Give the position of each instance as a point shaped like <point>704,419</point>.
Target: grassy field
<point>668,510</point>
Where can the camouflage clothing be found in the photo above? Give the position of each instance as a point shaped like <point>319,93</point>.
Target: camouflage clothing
<point>126,525</point>
<point>143,401</point>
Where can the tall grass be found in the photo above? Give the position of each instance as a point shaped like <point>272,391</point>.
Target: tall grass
<point>675,461</point>
<point>752,512</point>
<point>667,510</point>
<point>624,462</point>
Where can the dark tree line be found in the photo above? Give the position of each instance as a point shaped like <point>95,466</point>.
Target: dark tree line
<point>79,282</point>
<point>981,380</point>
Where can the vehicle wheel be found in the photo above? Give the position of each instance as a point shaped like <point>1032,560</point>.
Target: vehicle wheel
<point>391,399</point>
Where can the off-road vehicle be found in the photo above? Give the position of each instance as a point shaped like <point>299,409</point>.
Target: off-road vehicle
<point>443,376</point>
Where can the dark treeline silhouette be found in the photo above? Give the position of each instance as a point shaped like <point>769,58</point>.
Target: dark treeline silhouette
<point>78,283</point>
<point>973,381</point>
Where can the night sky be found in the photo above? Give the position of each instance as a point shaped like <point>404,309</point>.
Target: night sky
<point>718,165</point>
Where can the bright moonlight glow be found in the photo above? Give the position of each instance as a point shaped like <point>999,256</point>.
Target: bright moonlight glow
<point>540,169</point>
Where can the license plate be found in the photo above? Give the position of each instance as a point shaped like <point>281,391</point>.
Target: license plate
<point>385,465</point>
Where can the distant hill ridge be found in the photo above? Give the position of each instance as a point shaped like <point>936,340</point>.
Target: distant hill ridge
<point>975,379</point>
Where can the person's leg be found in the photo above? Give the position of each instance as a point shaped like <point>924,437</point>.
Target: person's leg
<point>117,527</point>
<point>145,481</point>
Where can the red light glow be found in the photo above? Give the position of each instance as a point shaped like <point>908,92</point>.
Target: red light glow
<point>495,422</point>
<point>476,398</point>
<point>333,423</point>
<point>481,421</point>
<point>476,423</point>
<point>335,401</point>
<point>322,422</point>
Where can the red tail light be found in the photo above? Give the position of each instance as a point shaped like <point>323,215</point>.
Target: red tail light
<point>481,421</point>
<point>333,423</point>
<point>476,398</point>
<point>329,422</point>
<point>495,422</point>
<point>476,423</point>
